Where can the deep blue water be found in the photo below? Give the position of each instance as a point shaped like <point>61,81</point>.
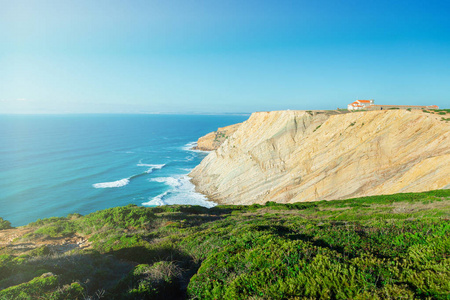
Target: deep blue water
<point>54,165</point>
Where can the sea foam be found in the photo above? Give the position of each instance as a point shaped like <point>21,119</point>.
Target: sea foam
<point>125,181</point>
<point>171,181</point>
<point>152,167</point>
<point>112,184</point>
<point>181,191</point>
<point>190,147</point>
<point>158,200</point>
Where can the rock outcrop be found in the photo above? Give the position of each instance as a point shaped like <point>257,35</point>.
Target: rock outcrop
<point>213,140</point>
<point>292,156</point>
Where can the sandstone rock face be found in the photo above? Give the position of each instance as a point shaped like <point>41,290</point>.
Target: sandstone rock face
<point>213,140</point>
<point>292,156</point>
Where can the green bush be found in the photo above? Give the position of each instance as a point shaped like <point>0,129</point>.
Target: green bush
<point>126,217</point>
<point>4,224</point>
<point>159,281</point>
<point>44,287</point>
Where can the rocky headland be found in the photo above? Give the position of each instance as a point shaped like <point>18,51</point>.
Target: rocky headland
<point>292,156</point>
<point>214,139</point>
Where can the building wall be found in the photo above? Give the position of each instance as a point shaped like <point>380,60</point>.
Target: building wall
<point>383,107</point>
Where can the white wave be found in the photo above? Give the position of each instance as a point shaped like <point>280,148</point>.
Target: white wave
<point>190,147</point>
<point>152,167</point>
<point>158,200</point>
<point>181,191</point>
<point>125,181</point>
<point>170,181</point>
<point>112,184</point>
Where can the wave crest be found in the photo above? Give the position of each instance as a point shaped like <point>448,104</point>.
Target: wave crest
<point>125,181</point>
<point>152,166</point>
<point>112,184</point>
<point>181,191</point>
<point>158,200</point>
<point>171,181</point>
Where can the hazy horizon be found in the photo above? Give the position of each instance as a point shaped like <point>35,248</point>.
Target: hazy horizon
<point>213,57</point>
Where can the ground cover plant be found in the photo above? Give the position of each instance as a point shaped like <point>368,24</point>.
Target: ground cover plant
<point>379,247</point>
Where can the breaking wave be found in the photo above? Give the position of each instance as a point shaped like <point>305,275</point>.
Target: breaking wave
<point>152,167</point>
<point>112,184</point>
<point>190,147</point>
<point>125,181</point>
<point>171,181</point>
<point>181,191</point>
<point>158,200</point>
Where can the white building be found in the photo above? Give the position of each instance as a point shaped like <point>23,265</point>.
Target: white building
<point>359,104</point>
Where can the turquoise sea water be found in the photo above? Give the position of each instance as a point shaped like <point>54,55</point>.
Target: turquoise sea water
<point>54,165</point>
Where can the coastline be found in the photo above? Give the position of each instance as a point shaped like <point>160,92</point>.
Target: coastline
<point>304,156</point>
<point>191,147</point>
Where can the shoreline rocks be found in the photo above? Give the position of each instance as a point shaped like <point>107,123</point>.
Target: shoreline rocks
<point>213,140</point>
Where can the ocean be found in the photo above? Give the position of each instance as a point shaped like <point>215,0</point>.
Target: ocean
<point>54,165</point>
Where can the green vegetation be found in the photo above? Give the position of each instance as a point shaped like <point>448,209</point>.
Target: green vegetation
<point>437,111</point>
<point>317,128</point>
<point>4,224</point>
<point>443,111</point>
<point>220,136</point>
<point>44,287</point>
<point>379,247</point>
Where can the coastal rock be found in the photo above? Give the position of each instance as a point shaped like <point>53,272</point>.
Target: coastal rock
<point>213,140</point>
<point>293,156</point>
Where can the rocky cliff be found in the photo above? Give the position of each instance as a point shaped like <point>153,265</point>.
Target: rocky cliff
<point>213,140</point>
<point>291,156</point>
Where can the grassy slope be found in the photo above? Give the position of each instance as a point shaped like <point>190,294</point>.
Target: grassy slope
<point>395,246</point>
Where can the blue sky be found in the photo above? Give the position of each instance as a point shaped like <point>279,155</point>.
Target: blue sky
<point>220,56</point>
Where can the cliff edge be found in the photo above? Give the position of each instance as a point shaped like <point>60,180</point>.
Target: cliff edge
<point>213,140</point>
<point>292,156</point>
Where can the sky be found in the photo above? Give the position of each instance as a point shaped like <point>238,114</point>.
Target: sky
<point>221,56</point>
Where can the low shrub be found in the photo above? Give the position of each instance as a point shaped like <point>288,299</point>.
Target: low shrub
<point>159,281</point>
<point>4,224</point>
<point>43,287</point>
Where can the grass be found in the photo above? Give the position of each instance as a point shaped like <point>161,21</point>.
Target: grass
<point>378,247</point>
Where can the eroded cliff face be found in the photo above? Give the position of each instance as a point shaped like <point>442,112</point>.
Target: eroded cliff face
<point>292,156</point>
<point>213,140</point>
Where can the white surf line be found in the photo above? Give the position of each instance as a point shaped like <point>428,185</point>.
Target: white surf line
<point>190,147</point>
<point>112,184</point>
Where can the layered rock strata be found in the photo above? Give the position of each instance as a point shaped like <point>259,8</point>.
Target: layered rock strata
<point>292,156</point>
<point>213,140</point>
